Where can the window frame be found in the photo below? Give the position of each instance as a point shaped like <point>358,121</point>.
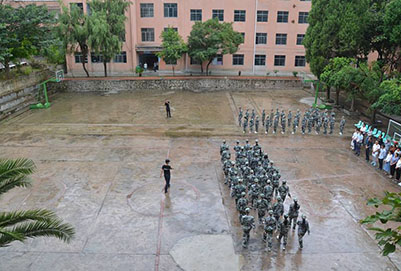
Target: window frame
<point>279,58</point>
<point>79,56</point>
<point>240,15</point>
<point>298,59</point>
<point>303,17</point>
<point>170,10</point>
<point>149,8</point>
<point>148,32</point>
<point>261,59</point>
<point>262,36</point>
<point>298,38</point>
<point>219,12</point>
<point>194,15</point>
<point>281,15</point>
<point>281,37</point>
<point>122,55</point>
<point>260,17</point>
<point>238,59</point>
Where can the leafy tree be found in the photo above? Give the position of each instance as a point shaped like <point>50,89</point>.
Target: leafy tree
<point>107,28</point>
<point>330,75</point>
<point>21,225</point>
<point>388,238</point>
<point>73,30</point>
<point>173,47</point>
<point>211,38</point>
<point>392,35</point>
<point>390,100</point>
<point>336,29</point>
<point>24,31</point>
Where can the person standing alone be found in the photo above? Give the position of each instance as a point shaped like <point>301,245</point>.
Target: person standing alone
<point>168,112</point>
<point>166,172</point>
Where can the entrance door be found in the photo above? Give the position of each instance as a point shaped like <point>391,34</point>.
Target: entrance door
<point>150,59</point>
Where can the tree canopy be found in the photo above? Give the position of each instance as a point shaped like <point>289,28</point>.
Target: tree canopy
<point>107,28</point>
<point>173,47</point>
<point>211,38</point>
<point>24,32</point>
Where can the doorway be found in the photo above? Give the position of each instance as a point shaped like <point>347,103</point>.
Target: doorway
<point>150,59</point>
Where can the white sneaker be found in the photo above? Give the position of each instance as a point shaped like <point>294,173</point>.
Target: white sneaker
<point>399,184</point>
<point>292,133</point>
<point>265,132</point>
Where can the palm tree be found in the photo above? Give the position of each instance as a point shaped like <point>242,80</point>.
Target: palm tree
<point>21,225</point>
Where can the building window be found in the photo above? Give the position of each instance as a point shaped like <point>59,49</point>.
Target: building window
<point>170,10</point>
<point>243,36</point>
<point>239,15</point>
<point>195,61</point>
<point>171,62</point>
<point>238,60</point>
<point>79,58</point>
<point>305,0</point>
<point>261,38</point>
<point>279,60</point>
<point>300,39</point>
<point>121,57</point>
<point>174,28</point>
<point>299,61</point>
<point>147,10</point>
<point>148,34</point>
<point>196,15</point>
<point>262,15</point>
<point>88,9</point>
<point>303,17</point>
<point>219,14</point>
<point>78,5</point>
<point>260,60</point>
<point>281,39</point>
<point>282,16</point>
<point>96,58</point>
<point>218,60</point>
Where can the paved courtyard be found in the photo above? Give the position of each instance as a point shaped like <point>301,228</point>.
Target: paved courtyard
<point>98,166</point>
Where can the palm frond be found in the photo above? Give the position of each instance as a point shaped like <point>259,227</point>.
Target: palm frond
<point>8,219</point>
<point>7,237</point>
<point>54,228</point>
<point>11,168</point>
<point>13,173</point>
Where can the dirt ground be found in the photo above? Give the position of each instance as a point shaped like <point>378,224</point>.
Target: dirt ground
<point>98,166</point>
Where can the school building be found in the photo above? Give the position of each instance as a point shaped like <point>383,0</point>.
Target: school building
<point>273,32</point>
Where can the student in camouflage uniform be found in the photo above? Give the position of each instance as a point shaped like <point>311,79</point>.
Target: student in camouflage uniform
<point>278,208</point>
<point>262,205</point>
<point>342,125</point>
<point>268,191</point>
<point>303,126</point>
<point>271,117</point>
<point>270,226</point>
<point>267,124</point>
<point>283,228</point>
<point>283,122</point>
<point>244,125</point>
<point>294,126</point>
<point>251,124</point>
<point>253,193</point>
<point>332,123</point>
<point>325,125</point>
<point>253,114</point>
<point>240,114</point>
<point>247,222</point>
<point>310,124</point>
<point>318,125</point>
<point>275,124</point>
<point>284,190</point>
<point>242,204</point>
<point>246,115</point>
<point>303,228</point>
<point>293,212</point>
<point>257,125</point>
<point>289,117</point>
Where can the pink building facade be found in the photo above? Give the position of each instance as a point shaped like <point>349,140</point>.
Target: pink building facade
<point>273,33</point>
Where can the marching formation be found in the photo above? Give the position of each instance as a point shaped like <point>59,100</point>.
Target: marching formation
<point>312,119</point>
<point>254,183</point>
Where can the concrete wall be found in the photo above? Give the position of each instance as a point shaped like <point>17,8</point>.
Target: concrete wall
<point>18,93</point>
<point>193,84</point>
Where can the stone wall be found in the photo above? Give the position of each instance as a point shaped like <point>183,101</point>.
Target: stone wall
<point>192,84</point>
<point>18,93</point>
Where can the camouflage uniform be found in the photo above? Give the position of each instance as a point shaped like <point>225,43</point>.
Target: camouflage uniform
<point>325,124</point>
<point>247,222</point>
<point>251,124</point>
<point>293,213</point>
<point>289,117</point>
<point>262,205</point>
<point>283,228</point>
<point>268,191</point>
<point>242,204</point>
<point>303,227</point>
<point>244,125</point>
<point>278,209</point>
<point>267,124</point>
<point>332,123</point>
<point>284,190</point>
<point>275,124</point>
<point>269,227</point>
<point>283,122</point>
<point>257,125</point>
<point>271,117</point>
<point>342,125</point>
<point>263,117</point>
<point>240,115</point>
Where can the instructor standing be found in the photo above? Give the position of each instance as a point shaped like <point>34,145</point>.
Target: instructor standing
<point>166,172</point>
<point>167,105</point>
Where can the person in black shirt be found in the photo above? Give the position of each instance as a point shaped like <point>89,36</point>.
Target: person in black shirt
<point>168,112</point>
<point>166,172</point>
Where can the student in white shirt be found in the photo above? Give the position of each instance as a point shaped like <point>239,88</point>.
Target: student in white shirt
<point>375,153</point>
